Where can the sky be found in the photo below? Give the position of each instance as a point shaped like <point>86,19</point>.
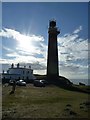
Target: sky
<point>25,36</point>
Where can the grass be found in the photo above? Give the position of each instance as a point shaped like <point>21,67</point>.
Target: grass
<point>48,102</point>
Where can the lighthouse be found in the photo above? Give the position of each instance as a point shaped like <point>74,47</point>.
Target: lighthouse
<point>52,58</point>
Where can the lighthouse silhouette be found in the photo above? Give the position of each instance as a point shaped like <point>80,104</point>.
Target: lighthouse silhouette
<point>52,59</point>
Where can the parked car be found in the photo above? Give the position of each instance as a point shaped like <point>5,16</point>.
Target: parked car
<point>38,83</point>
<point>21,83</point>
<point>44,81</point>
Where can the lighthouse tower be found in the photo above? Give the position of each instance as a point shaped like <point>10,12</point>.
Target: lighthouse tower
<point>52,60</point>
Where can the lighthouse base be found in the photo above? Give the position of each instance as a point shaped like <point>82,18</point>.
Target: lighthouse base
<point>53,78</point>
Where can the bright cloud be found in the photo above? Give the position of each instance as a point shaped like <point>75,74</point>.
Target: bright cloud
<point>27,43</point>
<point>31,49</point>
<point>73,53</point>
<point>78,30</point>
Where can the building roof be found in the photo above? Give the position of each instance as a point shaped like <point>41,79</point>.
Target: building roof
<point>21,68</point>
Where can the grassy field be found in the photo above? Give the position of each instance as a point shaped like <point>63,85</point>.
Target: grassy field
<point>47,102</point>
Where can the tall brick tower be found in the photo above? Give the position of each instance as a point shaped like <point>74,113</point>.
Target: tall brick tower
<point>52,60</point>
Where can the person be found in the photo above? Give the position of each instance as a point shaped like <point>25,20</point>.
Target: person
<point>13,87</point>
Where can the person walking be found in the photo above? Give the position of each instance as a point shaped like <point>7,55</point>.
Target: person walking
<point>13,87</point>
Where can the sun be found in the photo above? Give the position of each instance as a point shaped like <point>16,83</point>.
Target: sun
<point>25,43</point>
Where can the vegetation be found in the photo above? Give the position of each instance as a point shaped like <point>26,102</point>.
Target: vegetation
<point>44,102</point>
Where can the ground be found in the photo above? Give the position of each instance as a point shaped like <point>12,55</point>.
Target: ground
<point>44,102</point>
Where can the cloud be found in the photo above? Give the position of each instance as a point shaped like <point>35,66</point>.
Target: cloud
<point>72,47</point>
<point>31,44</point>
<point>73,54</point>
<point>29,49</point>
<point>32,49</point>
<point>78,30</point>
<point>5,32</point>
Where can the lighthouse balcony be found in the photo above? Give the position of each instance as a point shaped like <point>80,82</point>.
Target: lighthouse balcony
<point>54,30</point>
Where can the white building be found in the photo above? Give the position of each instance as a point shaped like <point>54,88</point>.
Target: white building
<point>18,73</point>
